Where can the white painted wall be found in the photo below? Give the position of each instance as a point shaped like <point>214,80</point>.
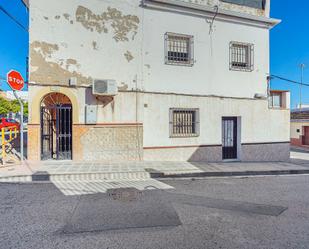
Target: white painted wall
<point>298,125</point>
<point>210,74</point>
<point>258,123</point>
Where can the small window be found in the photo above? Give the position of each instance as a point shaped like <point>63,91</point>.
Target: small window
<point>275,100</point>
<point>241,56</point>
<point>298,130</point>
<point>184,122</point>
<point>178,49</point>
<point>258,4</point>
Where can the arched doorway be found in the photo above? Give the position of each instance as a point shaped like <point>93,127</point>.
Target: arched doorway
<point>56,127</point>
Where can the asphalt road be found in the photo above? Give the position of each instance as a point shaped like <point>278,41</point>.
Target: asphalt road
<point>261,212</point>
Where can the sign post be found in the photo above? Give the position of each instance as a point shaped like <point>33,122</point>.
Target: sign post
<point>16,82</point>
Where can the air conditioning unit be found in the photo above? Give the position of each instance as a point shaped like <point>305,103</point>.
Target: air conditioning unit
<point>104,87</point>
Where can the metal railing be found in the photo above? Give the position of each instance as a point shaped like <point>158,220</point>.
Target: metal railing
<point>8,134</point>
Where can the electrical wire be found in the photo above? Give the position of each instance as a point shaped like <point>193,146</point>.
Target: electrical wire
<point>26,5</point>
<point>13,18</point>
<point>288,80</point>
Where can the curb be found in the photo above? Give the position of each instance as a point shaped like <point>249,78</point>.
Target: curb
<point>42,176</point>
<point>228,174</point>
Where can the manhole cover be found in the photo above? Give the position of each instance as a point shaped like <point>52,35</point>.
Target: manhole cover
<point>124,194</point>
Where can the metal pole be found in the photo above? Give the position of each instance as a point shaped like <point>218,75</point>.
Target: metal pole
<point>302,66</point>
<point>21,126</point>
<point>3,144</point>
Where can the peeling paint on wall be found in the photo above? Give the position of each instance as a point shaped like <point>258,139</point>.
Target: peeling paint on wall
<point>72,62</point>
<point>66,16</point>
<point>46,48</point>
<point>113,19</point>
<point>44,71</point>
<point>95,45</point>
<point>128,56</point>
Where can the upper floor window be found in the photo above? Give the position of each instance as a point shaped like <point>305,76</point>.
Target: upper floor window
<point>241,56</point>
<point>179,49</point>
<point>258,4</point>
<point>275,100</point>
<point>184,122</point>
<point>279,99</point>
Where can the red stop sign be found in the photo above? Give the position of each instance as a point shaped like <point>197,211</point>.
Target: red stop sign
<point>15,80</point>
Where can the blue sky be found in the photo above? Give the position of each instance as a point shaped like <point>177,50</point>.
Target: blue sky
<point>290,46</point>
<point>14,39</point>
<point>289,43</point>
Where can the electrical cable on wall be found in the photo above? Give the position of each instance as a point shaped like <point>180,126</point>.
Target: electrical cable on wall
<point>216,7</point>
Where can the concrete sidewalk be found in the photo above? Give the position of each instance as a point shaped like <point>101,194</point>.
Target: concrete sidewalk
<point>85,171</point>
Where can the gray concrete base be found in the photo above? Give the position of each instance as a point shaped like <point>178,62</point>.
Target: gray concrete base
<point>266,152</point>
<point>250,152</point>
<point>203,153</point>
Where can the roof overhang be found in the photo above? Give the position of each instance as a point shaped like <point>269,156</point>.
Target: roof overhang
<point>209,11</point>
<point>279,91</point>
<point>300,120</point>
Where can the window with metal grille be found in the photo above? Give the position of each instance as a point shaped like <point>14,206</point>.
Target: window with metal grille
<point>241,56</point>
<point>178,49</point>
<point>184,122</point>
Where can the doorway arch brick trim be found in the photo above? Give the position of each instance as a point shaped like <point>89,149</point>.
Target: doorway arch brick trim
<point>36,104</point>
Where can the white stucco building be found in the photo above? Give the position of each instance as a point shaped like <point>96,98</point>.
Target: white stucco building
<point>191,81</point>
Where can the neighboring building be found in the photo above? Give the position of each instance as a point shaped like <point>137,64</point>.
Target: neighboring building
<point>300,127</point>
<point>3,94</point>
<point>174,80</point>
<point>23,95</point>
<point>302,106</point>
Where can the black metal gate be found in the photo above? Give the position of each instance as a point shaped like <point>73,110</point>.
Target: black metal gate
<point>56,132</point>
<point>229,137</point>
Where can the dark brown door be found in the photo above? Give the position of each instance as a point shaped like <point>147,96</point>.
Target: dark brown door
<point>306,135</point>
<point>229,138</point>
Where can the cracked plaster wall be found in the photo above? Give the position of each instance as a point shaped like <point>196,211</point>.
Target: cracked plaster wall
<point>75,38</point>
